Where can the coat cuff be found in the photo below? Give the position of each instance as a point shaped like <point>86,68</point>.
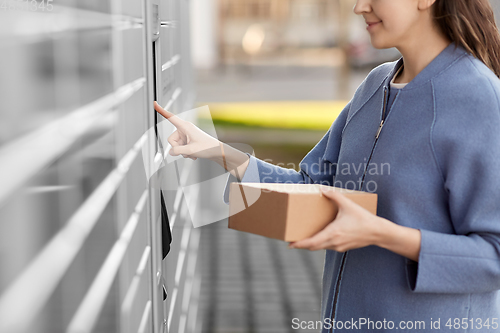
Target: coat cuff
<point>426,275</point>
<point>251,176</point>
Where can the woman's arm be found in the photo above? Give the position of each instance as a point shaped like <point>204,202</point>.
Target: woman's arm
<point>318,166</point>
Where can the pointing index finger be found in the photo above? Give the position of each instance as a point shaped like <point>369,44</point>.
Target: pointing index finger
<point>168,115</point>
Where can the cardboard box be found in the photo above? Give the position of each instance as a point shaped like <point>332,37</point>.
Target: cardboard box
<point>289,212</point>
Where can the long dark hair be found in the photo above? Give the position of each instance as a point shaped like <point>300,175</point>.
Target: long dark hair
<point>471,24</point>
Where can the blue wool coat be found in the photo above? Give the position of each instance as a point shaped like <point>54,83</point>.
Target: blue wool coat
<point>434,167</point>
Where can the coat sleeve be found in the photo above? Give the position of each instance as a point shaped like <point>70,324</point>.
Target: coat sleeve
<point>467,147</point>
<point>318,166</point>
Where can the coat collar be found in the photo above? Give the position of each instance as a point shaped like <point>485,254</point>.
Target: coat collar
<point>442,61</point>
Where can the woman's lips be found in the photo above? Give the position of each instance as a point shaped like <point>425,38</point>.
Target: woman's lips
<point>370,25</point>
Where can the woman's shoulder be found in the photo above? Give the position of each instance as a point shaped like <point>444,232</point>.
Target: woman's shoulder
<point>466,100</point>
<point>468,84</point>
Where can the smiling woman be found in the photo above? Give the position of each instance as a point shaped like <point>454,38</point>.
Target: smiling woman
<point>432,251</point>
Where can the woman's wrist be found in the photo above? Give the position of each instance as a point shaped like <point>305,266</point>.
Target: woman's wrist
<point>396,238</point>
<point>385,233</point>
<point>231,159</point>
<point>217,154</point>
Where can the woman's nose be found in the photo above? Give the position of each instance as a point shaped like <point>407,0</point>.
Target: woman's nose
<point>362,6</point>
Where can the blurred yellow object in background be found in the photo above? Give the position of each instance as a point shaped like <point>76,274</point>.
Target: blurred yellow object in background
<point>313,115</point>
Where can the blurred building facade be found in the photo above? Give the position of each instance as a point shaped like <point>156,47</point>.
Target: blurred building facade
<point>288,32</point>
<point>284,32</point>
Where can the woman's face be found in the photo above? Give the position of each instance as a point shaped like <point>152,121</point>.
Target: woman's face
<point>391,23</point>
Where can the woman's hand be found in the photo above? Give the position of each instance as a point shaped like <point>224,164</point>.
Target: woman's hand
<point>355,227</point>
<point>188,140</point>
<point>352,228</point>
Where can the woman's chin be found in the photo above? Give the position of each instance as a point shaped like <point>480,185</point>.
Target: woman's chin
<point>380,44</point>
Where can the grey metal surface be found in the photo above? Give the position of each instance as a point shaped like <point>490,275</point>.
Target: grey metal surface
<point>80,227</point>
